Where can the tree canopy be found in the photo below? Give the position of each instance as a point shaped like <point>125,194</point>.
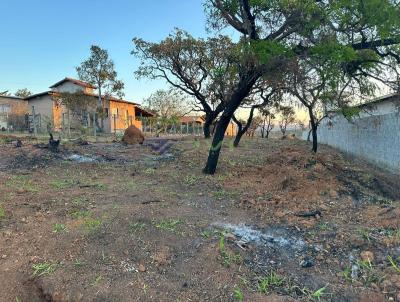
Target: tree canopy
<point>23,93</point>
<point>355,35</point>
<point>99,70</point>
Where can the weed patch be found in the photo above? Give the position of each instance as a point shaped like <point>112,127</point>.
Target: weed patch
<point>42,269</point>
<point>136,227</point>
<point>226,257</point>
<point>59,228</point>
<point>169,225</point>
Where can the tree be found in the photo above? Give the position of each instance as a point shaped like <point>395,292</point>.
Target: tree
<point>267,122</point>
<point>273,31</point>
<point>4,93</point>
<point>287,117</point>
<point>203,69</point>
<point>23,93</point>
<point>99,70</point>
<point>251,124</point>
<point>168,106</point>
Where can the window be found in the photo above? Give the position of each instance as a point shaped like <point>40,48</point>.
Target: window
<point>106,112</point>
<point>114,112</point>
<point>5,109</point>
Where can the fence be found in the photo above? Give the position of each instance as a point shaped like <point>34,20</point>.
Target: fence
<point>153,127</point>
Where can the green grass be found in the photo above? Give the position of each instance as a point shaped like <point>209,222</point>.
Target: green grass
<point>97,280</point>
<point>92,225</point>
<point>169,225</point>
<point>270,281</point>
<point>79,263</point>
<point>191,180</point>
<point>22,182</point>
<point>79,201</point>
<point>365,234</point>
<point>206,234</point>
<point>62,183</point>
<point>222,194</point>
<point>394,263</point>
<point>368,273</point>
<point>59,228</point>
<point>238,294</point>
<point>227,258</point>
<point>81,214</point>
<point>346,273</point>
<point>136,227</point>
<point>42,269</point>
<point>318,294</point>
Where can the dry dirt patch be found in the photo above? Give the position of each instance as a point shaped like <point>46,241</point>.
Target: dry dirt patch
<point>276,223</point>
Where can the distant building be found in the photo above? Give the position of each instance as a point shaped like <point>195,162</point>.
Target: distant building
<point>13,112</point>
<point>198,121</point>
<point>118,113</point>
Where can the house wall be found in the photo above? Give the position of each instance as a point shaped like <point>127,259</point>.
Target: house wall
<point>374,137</point>
<point>11,106</point>
<point>43,105</point>
<point>231,130</point>
<point>122,111</point>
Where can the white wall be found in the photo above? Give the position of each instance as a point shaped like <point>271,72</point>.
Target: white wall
<point>373,137</point>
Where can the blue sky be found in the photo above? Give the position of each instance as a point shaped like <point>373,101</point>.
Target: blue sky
<point>42,41</point>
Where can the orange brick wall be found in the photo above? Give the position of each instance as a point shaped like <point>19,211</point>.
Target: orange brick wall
<point>124,109</point>
<point>231,130</point>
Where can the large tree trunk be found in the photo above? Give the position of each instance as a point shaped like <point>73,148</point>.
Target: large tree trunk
<point>244,87</point>
<point>207,124</point>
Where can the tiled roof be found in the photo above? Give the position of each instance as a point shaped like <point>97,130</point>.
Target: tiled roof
<point>191,119</point>
<point>75,81</point>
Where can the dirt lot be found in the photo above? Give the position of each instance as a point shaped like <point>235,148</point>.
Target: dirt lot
<point>106,222</point>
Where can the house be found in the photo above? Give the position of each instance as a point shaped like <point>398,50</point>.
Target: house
<point>195,122</point>
<point>13,112</point>
<point>118,114</point>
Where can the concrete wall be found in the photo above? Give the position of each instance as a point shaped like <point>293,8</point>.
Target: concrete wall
<point>375,137</point>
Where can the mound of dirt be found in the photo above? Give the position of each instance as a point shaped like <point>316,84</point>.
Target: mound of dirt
<point>133,136</point>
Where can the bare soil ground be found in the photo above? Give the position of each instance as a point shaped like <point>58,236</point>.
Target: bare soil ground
<point>107,222</point>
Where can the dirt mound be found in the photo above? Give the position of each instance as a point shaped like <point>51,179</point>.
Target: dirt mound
<point>133,136</point>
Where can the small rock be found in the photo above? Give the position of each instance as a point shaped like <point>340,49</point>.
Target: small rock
<point>141,268</point>
<point>3,256</point>
<point>230,237</point>
<point>307,262</point>
<point>367,256</point>
<point>386,285</point>
<point>355,241</point>
<point>395,279</point>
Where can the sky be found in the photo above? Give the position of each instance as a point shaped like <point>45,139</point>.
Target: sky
<point>42,41</point>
